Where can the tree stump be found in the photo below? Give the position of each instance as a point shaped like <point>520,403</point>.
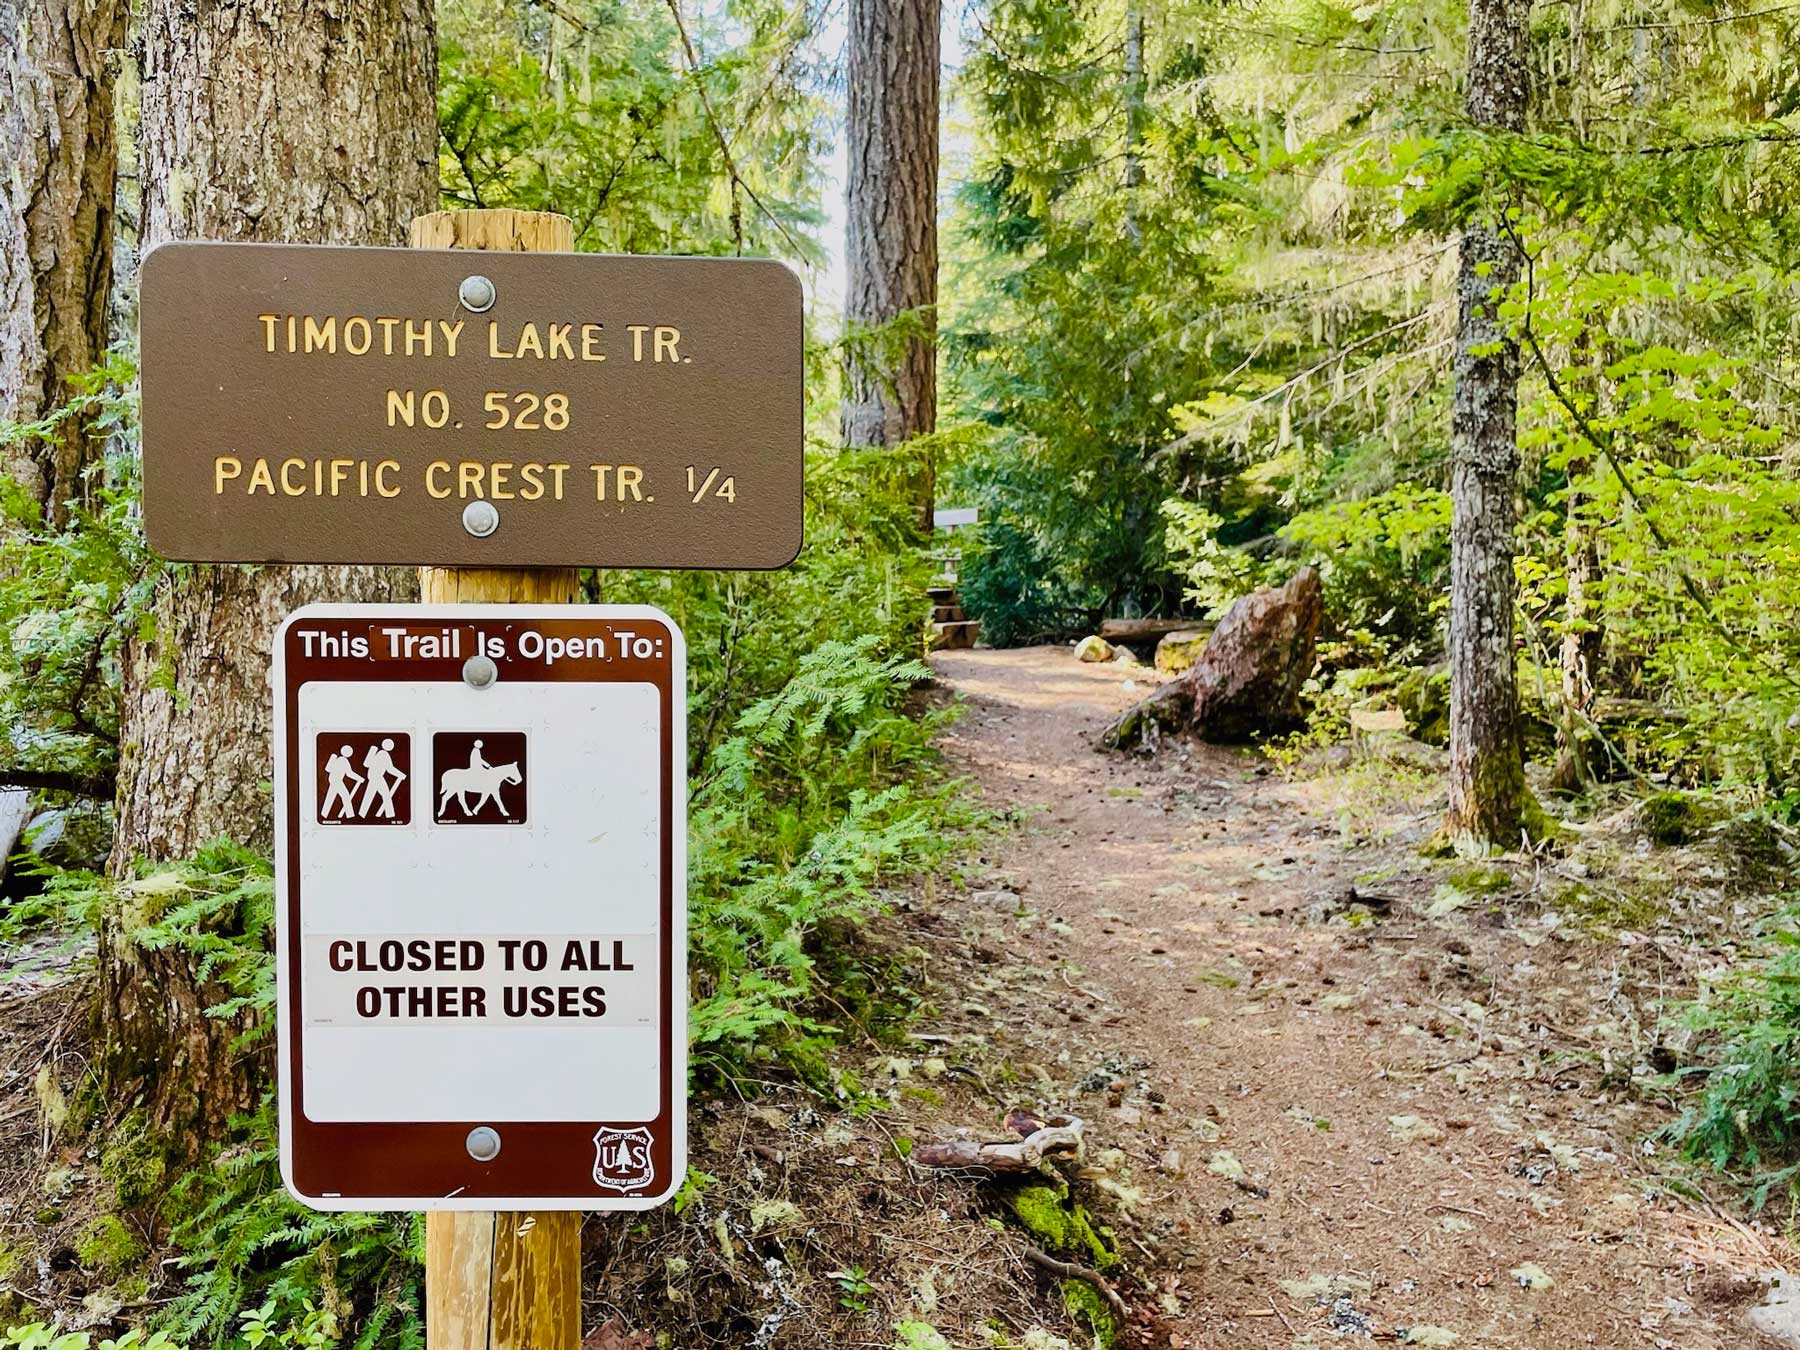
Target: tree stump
<point>1246,682</point>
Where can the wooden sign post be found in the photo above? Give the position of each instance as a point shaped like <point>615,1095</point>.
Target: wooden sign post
<point>501,1281</point>
<point>492,423</point>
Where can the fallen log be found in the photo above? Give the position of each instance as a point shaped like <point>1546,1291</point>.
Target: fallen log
<point>1141,630</point>
<point>1040,1140</point>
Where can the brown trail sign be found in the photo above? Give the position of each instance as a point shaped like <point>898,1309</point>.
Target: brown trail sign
<point>369,405</point>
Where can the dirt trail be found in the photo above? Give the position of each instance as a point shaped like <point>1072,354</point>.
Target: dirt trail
<point>1423,1132</point>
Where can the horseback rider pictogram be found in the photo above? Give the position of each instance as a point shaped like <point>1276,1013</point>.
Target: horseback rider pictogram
<point>480,778</point>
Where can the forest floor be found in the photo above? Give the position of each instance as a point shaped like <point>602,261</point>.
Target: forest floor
<point>1336,1088</point>
<point>1333,1090</point>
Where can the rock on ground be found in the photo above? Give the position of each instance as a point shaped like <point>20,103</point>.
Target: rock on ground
<point>1093,648</point>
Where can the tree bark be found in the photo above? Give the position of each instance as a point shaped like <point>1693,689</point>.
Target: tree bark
<point>1581,638</point>
<point>1487,776</point>
<point>891,247</point>
<point>266,121</point>
<point>60,152</point>
<point>1134,116</point>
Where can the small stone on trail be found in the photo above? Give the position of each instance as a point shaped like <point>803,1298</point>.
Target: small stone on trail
<point>1532,1276</point>
<point>1778,1316</point>
<point>1415,1130</point>
<point>1093,648</point>
<point>1439,1337</point>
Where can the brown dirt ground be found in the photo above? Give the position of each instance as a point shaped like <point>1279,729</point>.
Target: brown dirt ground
<point>1315,1124</point>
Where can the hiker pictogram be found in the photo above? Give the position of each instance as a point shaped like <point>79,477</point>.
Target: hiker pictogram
<point>374,795</point>
<point>480,777</point>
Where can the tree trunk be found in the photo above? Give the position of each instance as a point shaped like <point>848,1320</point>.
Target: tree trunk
<point>275,120</point>
<point>60,152</point>
<point>891,252</point>
<point>1134,116</point>
<point>1580,640</point>
<point>1487,776</point>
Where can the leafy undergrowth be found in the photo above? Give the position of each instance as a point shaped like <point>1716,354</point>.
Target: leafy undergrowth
<point>816,793</point>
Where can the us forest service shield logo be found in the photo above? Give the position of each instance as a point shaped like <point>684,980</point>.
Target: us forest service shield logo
<point>622,1159</point>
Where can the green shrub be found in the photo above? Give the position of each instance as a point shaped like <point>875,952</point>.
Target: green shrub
<point>1746,1113</point>
<point>1385,563</point>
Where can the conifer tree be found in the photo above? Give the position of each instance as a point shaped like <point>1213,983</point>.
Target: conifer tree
<point>60,151</point>
<point>891,241</point>
<point>284,123</point>
<point>1487,777</point>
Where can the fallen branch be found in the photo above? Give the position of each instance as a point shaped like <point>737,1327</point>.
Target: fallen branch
<point>59,780</point>
<point>1040,1140</point>
<point>1068,1270</point>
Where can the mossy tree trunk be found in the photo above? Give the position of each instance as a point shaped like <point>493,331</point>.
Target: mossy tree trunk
<point>1487,776</point>
<point>271,121</point>
<point>60,153</point>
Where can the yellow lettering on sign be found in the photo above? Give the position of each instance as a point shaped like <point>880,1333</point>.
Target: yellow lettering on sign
<point>627,481</point>
<point>288,486</point>
<point>637,331</point>
<point>590,342</point>
<point>494,343</point>
<point>225,468</point>
<point>321,337</point>
<point>387,327</point>
<point>268,323</point>
<point>432,470</point>
<point>666,338</point>
<point>418,335</point>
<point>260,478</point>
<point>559,341</point>
<point>357,336</point>
<point>451,332</point>
<point>381,472</point>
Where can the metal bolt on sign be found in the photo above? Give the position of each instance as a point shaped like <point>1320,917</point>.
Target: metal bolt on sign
<point>484,1143</point>
<point>481,518</point>
<point>477,294</point>
<point>480,671</point>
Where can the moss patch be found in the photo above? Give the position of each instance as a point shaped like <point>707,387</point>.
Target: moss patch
<point>1424,699</point>
<point>1604,914</point>
<point>108,1247</point>
<point>1478,880</point>
<point>1087,1307</point>
<point>133,1161</point>
<point>1671,817</point>
<point>1059,1224</point>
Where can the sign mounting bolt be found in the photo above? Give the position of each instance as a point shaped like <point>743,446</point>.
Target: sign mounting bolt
<point>480,671</point>
<point>477,294</point>
<point>483,1143</point>
<point>481,518</point>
